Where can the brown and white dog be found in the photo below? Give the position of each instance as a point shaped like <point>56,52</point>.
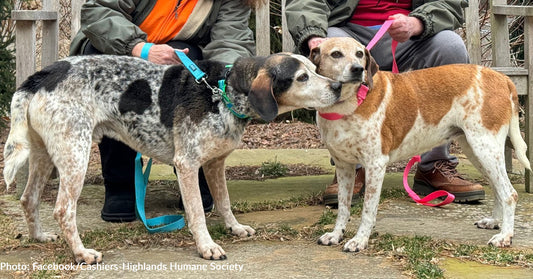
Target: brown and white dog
<point>409,113</point>
<point>160,111</point>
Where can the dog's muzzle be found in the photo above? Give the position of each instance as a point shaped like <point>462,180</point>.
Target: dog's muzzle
<point>336,88</point>
<point>356,73</point>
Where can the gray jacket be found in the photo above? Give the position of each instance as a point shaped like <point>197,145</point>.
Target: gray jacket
<point>310,18</point>
<point>112,28</point>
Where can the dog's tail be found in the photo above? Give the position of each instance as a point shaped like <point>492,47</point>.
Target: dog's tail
<point>17,147</point>
<point>519,144</point>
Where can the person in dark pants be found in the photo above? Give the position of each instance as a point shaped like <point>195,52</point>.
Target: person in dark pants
<point>152,30</point>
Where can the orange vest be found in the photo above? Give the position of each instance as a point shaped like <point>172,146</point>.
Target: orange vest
<point>167,19</point>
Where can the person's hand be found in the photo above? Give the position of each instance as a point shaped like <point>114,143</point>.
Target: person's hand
<point>160,54</point>
<point>314,42</point>
<point>404,27</point>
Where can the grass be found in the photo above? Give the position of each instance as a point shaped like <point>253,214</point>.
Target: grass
<point>418,253</point>
<point>273,169</point>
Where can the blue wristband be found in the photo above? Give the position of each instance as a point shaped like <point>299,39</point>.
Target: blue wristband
<point>145,50</point>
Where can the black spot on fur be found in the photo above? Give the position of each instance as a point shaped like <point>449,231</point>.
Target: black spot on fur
<point>180,91</point>
<point>137,98</point>
<point>49,77</point>
<point>283,74</point>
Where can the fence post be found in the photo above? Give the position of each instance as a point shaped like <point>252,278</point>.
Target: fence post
<point>262,29</point>
<point>25,52</point>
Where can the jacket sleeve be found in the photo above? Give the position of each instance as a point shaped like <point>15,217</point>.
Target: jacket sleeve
<point>108,25</point>
<point>438,15</point>
<point>307,19</point>
<point>230,36</point>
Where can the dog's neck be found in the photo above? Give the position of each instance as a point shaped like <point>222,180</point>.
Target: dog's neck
<point>348,103</point>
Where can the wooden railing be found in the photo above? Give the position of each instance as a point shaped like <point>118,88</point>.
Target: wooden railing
<point>501,59</point>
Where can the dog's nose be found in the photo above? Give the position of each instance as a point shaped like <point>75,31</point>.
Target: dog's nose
<point>336,86</point>
<point>357,69</point>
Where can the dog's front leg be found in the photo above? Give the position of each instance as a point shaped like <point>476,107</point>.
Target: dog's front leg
<point>345,177</point>
<point>374,181</point>
<point>192,201</point>
<point>216,179</point>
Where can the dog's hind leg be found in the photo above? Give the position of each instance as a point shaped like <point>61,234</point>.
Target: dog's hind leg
<point>489,222</point>
<point>187,171</point>
<point>216,179</point>
<point>71,159</point>
<point>345,177</point>
<point>489,150</point>
<point>374,182</point>
<point>40,168</point>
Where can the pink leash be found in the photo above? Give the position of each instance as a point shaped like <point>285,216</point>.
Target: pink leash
<point>361,95</point>
<point>382,30</point>
<point>424,201</point>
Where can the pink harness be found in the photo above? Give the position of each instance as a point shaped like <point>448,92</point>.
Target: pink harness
<point>361,96</point>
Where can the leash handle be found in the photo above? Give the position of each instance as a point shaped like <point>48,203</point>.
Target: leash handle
<point>382,30</point>
<point>165,223</point>
<point>424,201</point>
<point>187,62</point>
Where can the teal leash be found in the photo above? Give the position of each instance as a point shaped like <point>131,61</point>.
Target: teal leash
<point>165,223</point>
<point>200,76</point>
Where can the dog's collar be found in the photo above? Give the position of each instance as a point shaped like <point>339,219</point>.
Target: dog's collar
<point>200,76</point>
<point>225,98</point>
<point>361,96</point>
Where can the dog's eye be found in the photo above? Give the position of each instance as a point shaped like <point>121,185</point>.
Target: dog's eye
<point>302,77</point>
<point>359,54</point>
<point>336,54</point>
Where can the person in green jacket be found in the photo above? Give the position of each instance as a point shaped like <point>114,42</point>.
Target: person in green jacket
<point>424,30</point>
<point>152,30</point>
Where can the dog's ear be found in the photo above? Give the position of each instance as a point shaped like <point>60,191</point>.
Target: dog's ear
<point>314,56</point>
<point>371,68</point>
<point>261,97</point>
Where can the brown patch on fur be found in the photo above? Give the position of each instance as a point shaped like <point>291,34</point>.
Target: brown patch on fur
<point>435,94</point>
<point>496,110</point>
<point>425,91</point>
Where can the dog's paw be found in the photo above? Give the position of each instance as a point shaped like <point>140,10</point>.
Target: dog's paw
<point>501,240</point>
<point>242,231</point>
<point>488,223</point>
<point>212,251</point>
<point>89,256</point>
<point>46,237</point>
<point>329,239</point>
<point>355,245</point>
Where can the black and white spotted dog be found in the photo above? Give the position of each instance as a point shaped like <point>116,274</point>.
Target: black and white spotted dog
<point>160,111</point>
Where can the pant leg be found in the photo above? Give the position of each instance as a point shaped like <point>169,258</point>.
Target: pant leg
<point>117,159</point>
<point>445,47</point>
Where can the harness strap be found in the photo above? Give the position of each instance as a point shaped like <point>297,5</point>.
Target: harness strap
<point>165,223</point>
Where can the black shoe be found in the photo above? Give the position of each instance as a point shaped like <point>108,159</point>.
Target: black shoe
<point>119,208</point>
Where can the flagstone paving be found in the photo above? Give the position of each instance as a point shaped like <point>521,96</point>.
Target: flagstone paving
<point>284,258</point>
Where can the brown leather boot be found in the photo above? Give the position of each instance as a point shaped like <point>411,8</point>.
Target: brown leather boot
<point>444,176</point>
<point>332,191</point>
